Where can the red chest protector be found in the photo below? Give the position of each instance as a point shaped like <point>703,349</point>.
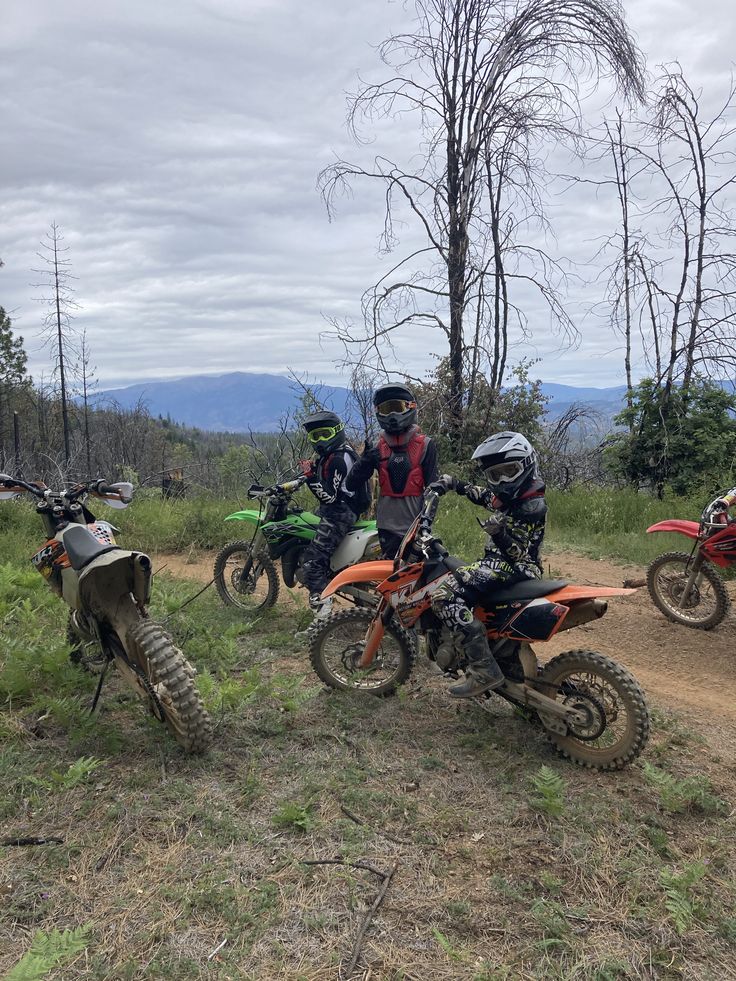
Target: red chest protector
<point>400,468</point>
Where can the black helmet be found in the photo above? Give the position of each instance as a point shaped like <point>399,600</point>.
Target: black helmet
<point>509,463</point>
<point>325,431</point>
<point>396,408</point>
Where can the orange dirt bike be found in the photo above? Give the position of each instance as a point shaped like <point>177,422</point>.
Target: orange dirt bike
<point>685,586</point>
<point>592,708</point>
<point>108,589</point>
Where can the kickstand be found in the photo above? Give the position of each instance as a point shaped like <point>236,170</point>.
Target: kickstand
<point>99,688</point>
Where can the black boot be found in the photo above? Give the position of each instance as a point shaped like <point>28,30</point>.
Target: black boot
<point>483,673</point>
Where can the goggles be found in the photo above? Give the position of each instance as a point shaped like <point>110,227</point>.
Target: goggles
<point>324,433</point>
<point>394,405</point>
<point>502,473</point>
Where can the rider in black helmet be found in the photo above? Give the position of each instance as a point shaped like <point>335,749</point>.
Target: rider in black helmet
<point>514,494</point>
<point>406,461</point>
<point>326,476</point>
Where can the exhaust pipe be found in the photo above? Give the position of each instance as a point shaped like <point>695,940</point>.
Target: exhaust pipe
<point>584,612</point>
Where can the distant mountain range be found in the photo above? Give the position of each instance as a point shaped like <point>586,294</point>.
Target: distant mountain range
<point>243,401</point>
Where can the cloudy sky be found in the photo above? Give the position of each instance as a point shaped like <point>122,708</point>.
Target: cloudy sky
<point>177,146</point>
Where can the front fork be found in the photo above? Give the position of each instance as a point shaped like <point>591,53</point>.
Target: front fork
<point>692,579</point>
<point>375,632</point>
<point>253,564</point>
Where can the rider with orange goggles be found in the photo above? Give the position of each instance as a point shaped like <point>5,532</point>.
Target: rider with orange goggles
<point>406,461</point>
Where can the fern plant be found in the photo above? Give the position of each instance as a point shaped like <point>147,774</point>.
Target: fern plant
<point>76,773</point>
<point>676,796</point>
<point>47,951</point>
<point>549,792</point>
<point>679,902</point>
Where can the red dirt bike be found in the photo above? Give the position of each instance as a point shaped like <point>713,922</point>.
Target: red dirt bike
<point>107,589</point>
<point>685,586</point>
<point>592,708</point>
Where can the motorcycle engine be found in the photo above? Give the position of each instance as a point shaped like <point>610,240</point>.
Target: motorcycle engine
<point>445,649</point>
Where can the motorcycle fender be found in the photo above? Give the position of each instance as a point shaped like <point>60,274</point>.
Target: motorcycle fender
<point>114,575</point>
<point>253,516</point>
<point>689,528</point>
<point>70,588</point>
<point>353,547</point>
<point>363,572</point>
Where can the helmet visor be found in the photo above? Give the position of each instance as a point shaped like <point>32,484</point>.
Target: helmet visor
<point>323,434</point>
<point>394,405</point>
<point>502,473</point>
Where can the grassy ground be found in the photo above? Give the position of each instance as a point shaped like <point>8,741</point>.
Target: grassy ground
<point>510,863</point>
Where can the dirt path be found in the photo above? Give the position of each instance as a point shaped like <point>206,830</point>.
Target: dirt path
<point>692,671</point>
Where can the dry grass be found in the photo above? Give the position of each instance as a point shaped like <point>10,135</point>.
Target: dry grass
<point>167,857</point>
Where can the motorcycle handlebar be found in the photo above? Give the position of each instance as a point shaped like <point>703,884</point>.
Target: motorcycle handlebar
<point>100,487</point>
<point>288,487</point>
<point>15,483</point>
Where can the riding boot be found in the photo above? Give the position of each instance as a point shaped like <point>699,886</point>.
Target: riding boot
<point>483,673</point>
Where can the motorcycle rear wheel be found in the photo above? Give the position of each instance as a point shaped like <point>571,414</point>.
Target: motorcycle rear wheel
<point>708,602</point>
<point>617,729</point>
<point>336,643</point>
<point>254,594</point>
<point>171,678</point>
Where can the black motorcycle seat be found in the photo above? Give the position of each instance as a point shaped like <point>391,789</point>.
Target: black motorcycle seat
<point>527,589</point>
<point>82,546</point>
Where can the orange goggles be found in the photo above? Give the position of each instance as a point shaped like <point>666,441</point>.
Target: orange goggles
<point>394,405</point>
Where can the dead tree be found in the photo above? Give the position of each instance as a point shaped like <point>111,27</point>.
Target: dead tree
<point>474,73</point>
<point>88,382</point>
<point>57,327</point>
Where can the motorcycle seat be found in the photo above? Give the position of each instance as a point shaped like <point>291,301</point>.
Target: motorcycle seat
<point>528,589</point>
<point>82,547</point>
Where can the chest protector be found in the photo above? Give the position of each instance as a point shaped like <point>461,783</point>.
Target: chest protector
<point>400,467</point>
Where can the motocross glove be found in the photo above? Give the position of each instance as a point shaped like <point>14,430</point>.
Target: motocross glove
<point>443,484</point>
<point>371,455</point>
<point>476,495</point>
<point>494,523</point>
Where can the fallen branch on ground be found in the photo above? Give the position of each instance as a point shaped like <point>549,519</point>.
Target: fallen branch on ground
<point>22,842</point>
<point>370,913</point>
<point>364,824</point>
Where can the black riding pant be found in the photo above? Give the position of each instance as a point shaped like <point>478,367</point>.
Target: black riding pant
<point>390,541</point>
<point>336,520</point>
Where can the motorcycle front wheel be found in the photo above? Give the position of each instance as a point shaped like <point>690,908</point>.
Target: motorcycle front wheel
<point>615,728</point>
<point>336,644</point>
<point>251,584</point>
<point>169,683</point>
<point>706,604</point>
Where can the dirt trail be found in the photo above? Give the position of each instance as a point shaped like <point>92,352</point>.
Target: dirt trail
<point>689,670</point>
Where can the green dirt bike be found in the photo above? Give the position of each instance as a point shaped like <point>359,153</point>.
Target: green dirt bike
<point>245,572</point>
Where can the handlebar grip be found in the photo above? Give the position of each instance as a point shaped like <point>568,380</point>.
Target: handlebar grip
<point>104,488</point>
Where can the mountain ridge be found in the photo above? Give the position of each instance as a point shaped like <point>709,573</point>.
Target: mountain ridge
<point>241,401</point>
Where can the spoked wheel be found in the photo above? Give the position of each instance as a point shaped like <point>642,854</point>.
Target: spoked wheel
<point>707,602</point>
<point>169,686</point>
<point>249,583</point>
<point>614,725</point>
<point>337,644</point>
<point>85,654</point>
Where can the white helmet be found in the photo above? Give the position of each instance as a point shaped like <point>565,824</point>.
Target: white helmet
<point>509,463</point>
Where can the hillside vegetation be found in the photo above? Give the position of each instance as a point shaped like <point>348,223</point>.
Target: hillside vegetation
<point>505,862</point>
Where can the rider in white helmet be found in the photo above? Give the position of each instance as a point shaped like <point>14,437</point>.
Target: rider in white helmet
<point>514,494</point>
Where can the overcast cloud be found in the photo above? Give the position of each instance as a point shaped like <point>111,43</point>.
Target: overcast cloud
<point>177,146</point>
